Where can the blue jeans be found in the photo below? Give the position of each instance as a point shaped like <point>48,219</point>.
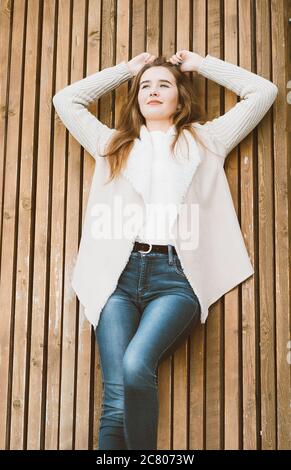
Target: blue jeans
<point>149,315</point>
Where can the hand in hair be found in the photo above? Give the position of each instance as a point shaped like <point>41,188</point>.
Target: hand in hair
<point>137,63</point>
<point>188,61</point>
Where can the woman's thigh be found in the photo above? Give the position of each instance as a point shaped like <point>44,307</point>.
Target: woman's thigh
<point>165,324</point>
<point>117,325</point>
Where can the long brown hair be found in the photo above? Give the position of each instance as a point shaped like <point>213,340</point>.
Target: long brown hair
<point>130,118</point>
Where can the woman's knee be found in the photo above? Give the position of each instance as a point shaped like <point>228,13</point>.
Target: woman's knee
<point>113,403</point>
<point>137,373</point>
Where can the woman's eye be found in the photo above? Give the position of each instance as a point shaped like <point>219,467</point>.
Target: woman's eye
<point>147,85</point>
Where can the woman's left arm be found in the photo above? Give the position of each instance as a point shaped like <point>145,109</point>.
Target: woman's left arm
<point>257,93</point>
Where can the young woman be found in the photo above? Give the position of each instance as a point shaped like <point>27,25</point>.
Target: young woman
<point>146,280</point>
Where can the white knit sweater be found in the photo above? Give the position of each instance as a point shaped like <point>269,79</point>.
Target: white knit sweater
<point>164,195</point>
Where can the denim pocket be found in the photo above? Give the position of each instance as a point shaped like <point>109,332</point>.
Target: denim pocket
<point>178,267</point>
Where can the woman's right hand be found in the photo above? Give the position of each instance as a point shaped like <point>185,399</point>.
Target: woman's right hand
<point>137,63</point>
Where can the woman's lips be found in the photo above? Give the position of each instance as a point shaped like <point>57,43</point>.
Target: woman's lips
<point>153,104</point>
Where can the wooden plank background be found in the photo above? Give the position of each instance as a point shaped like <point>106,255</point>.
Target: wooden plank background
<point>228,386</point>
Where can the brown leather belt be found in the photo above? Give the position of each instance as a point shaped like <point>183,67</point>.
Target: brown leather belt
<point>148,248</point>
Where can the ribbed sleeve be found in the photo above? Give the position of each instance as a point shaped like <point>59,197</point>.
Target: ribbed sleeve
<point>71,102</point>
<point>257,93</point>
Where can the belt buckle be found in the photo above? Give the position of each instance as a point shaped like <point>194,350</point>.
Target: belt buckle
<point>141,251</point>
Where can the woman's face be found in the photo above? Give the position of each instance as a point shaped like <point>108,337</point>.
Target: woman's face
<point>158,83</point>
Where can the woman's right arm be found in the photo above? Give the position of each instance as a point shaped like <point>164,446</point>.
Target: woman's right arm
<point>71,105</point>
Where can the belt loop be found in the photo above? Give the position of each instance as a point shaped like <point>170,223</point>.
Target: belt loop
<point>170,254</point>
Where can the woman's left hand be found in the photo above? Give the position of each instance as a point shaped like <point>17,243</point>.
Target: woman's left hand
<point>188,61</point>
